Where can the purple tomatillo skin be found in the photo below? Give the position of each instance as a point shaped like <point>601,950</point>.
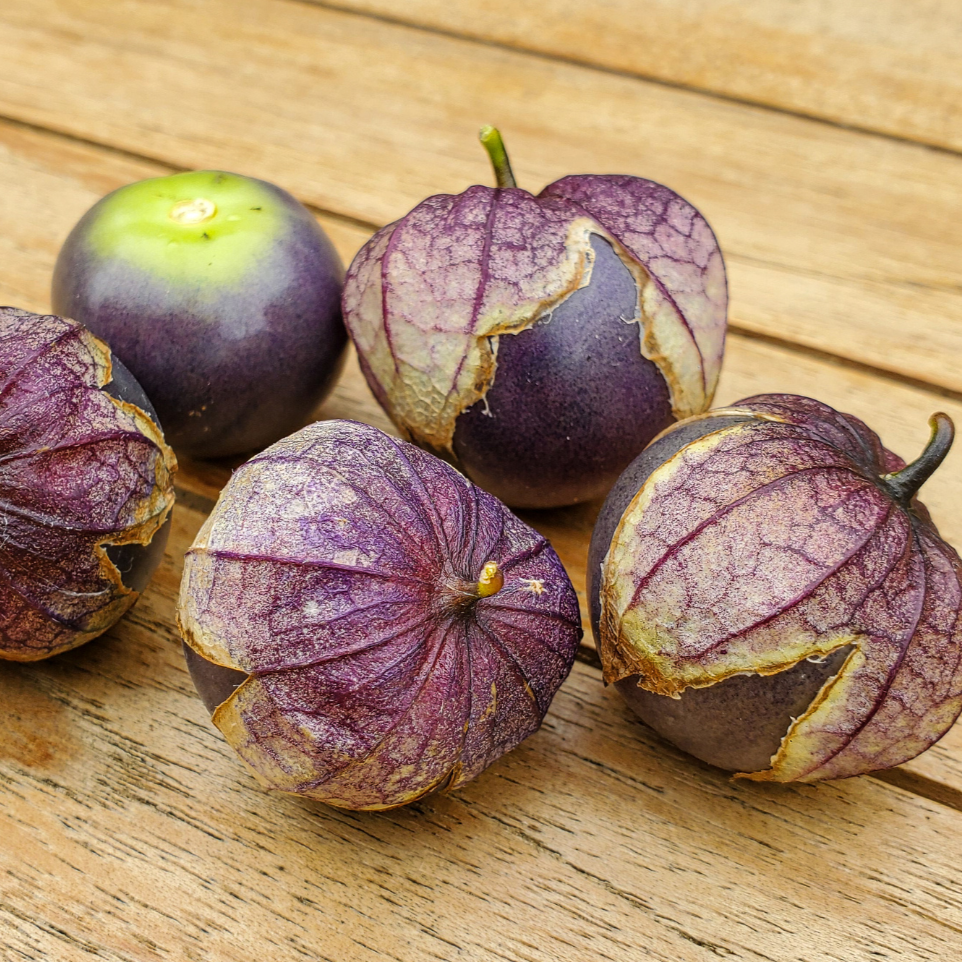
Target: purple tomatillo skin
<point>86,487</point>
<point>227,374</point>
<point>597,398</point>
<point>755,563</point>
<point>541,341</point>
<point>338,572</point>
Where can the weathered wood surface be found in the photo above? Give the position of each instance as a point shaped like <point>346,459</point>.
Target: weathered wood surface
<point>842,241</point>
<point>881,65</point>
<point>129,830</point>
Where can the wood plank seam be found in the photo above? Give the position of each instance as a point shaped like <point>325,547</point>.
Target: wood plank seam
<point>917,784</point>
<point>937,390</point>
<point>168,167</point>
<point>588,64</point>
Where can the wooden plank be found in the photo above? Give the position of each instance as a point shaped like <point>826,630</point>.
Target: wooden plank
<point>131,832</point>
<point>872,64</point>
<point>52,181</point>
<point>841,241</point>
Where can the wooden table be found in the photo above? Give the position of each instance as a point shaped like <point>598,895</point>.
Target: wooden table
<point>822,141</point>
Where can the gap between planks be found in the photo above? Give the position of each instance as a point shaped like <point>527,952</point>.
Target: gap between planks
<point>492,34</point>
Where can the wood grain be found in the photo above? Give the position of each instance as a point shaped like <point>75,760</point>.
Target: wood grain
<point>837,240</point>
<point>130,831</point>
<point>880,65</point>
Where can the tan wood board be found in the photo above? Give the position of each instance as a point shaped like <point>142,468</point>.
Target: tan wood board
<point>882,65</point>
<point>842,241</point>
<point>52,181</point>
<point>131,832</point>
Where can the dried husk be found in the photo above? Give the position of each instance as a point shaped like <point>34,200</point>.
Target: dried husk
<point>80,471</point>
<point>340,571</point>
<point>427,298</point>
<point>777,539</point>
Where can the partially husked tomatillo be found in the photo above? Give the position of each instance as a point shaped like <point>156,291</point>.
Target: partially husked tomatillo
<point>365,625</point>
<point>768,594</point>
<point>539,342</point>
<point>86,486</point>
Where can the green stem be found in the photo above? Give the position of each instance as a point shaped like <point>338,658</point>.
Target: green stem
<point>904,484</point>
<point>494,145</point>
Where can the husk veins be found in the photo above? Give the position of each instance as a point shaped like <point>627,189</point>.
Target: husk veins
<point>428,297</point>
<point>331,572</point>
<point>775,540</point>
<point>79,471</point>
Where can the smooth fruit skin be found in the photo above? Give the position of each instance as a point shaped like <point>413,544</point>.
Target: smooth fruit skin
<point>789,602</point>
<point>227,312</point>
<point>739,723</point>
<point>214,683</point>
<point>540,342</point>
<point>86,486</point>
<point>365,625</point>
<point>588,399</point>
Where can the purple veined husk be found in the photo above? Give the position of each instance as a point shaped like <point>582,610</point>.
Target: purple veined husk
<point>539,342</point>
<point>86,486</point>
<point>770,595</point>
<point>383,627</point>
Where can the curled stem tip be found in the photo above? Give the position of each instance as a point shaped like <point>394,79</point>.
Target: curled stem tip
<point>491,580</point>
<point>491,140</point>
<point>904,484</point>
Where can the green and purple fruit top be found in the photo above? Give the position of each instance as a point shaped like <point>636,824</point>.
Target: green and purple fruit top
<point>220,293</point>
<point>198,228</point>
